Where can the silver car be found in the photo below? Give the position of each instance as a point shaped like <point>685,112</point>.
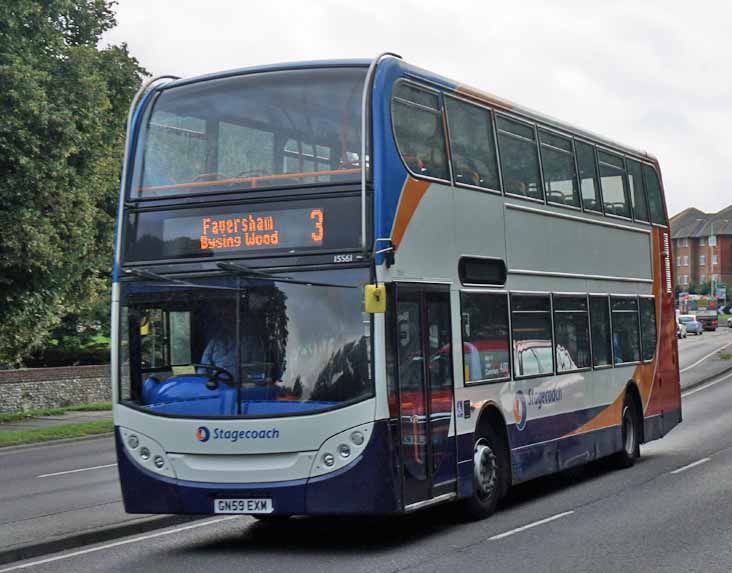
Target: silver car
<point>691,324</point>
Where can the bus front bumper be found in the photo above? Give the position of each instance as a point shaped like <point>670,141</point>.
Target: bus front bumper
<point>367,486</point>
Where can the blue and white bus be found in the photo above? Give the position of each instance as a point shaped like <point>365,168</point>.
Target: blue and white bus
<point>358,287</point>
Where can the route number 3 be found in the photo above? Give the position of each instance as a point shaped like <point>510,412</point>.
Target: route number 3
<point>317,216</point>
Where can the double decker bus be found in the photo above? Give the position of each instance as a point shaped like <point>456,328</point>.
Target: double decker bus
<point>358,287</point>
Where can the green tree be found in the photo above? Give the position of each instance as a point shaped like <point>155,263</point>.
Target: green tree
<point>64,103</point>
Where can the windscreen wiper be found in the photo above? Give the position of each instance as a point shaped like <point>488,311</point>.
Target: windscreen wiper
<point>151,276</point>
<point>254,274</point>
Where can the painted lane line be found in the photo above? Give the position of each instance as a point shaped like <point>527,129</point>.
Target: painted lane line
<point>691,465</point>
<point>76,471</point>
<point>119,543</point>
<point>704,358</point>
<point>525,527</point>
<point>706,385</point>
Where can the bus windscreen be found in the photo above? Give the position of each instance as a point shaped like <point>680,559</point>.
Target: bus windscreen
<point>262,130</point>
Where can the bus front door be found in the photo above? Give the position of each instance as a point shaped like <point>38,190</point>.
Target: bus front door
<point>425,393</point>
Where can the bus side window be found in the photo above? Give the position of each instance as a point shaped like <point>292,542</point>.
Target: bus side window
<point>418,130</point>
<point>571,333</point>
<point>531,331</point>
<point>637,190</point>
<point>560,177</point>
<point>519,158</point>
<point>471,142</point>
<point>648,327</point>
<point>613,182</point>
<point>626,335</point>
<point>600,327</point>
<point>485,336</point>
<point>653,191</point>
<point>591,199</point>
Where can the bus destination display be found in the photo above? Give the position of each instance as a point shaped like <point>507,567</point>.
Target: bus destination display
<point>281,229</point>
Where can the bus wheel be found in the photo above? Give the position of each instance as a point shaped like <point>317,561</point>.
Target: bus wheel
<point>489,476</point>
<point>630,425</point>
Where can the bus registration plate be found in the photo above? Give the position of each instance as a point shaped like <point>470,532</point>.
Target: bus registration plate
<point>246,505</point>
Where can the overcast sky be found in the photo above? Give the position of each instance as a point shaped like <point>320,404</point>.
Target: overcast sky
<point>654,75</point>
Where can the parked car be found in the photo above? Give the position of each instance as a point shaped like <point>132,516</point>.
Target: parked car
<point>691,323</point>
<point>729,322</point>
<point>681,331</point>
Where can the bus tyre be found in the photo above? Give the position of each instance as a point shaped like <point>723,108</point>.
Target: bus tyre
<point>490,475</point>
<point>630,427</point>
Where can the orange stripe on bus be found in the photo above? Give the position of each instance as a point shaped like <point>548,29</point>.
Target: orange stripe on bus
<point>483,97</point>
<point>252,180</point>
<point>412,194</point>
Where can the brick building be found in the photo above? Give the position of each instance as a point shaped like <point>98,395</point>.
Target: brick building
<point>702,246</point>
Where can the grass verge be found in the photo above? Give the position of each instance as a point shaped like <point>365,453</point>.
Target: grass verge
<point>15,438</point>
<point>16,416</point>
<point>725,355</point>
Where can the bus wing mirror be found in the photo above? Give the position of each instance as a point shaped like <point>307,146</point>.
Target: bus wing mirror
<point>375,299</point>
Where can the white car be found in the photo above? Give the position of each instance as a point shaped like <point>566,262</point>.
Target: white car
<point>680,329</point>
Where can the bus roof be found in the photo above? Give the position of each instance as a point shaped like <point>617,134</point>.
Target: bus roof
<point>282,66</point>
<point>460,89</point>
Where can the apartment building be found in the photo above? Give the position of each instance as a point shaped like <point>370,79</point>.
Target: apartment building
<point>702,246</point>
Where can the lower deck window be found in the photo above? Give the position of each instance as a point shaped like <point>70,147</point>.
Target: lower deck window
<point>571,333</point>
<point>485,336</point>
<point>531,329</point>
<point>601,339</point>
<point>626,335</point>
<point>648,327</point>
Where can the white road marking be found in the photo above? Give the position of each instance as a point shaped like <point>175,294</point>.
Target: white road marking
<point>705,357</point>
<point>691,465</point>
<point>76,471</point>
<point>706,385</point>
<point>118,543</point>
<point>525,527</point>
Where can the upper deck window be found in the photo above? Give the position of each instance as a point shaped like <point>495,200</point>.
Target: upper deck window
<point>471,142</point>
<point>637,191</point>
<point>653,191</point>
<point>519,158</point>
<point>591,198</point>
<point>612,177</point>
<point>560,177</point>
<point>273,129</point>
<point>418,130</point>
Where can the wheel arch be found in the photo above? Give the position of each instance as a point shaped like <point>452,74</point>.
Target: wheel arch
<point>491,416</point>
<point>631,390</point>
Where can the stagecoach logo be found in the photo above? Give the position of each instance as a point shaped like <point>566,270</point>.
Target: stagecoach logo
<point>520,410</point>
<point>202,434</point>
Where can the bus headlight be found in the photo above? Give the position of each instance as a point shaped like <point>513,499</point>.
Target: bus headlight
<point>340,450</point>
<point>146,452</point>
<point>357,438</point>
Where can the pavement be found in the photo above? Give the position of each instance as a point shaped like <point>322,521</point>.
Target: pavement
<point>60,496</point>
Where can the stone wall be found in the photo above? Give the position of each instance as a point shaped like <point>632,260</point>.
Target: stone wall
<point>40,388</point>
